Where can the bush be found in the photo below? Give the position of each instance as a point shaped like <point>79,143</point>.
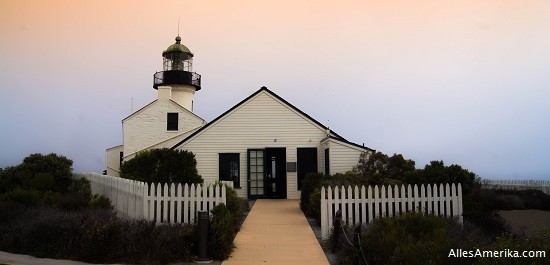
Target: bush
<point>162,166</point>
<point>44,180</point>
<point>25,197</point>
<point>520,244</point>
<point>314,208</point>
<point>310,198</point>
<point>100,202</point>
<point>92,236</point>
<point>311,182</point>
<point>377,167</point>
<point>78,195</point>
<point>490,221</point>
<point>437,172</point>
<point>236,206</point>
<point>499,199</point>
<point>38,172</point>
<point>412,238</point>
<point>222,233</point>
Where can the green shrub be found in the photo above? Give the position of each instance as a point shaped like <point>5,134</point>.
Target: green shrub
<point>411,238</point>
<point>314,208</point>
<point>100,202</point>
<point>51,198</point>
<point>25,197</point>
<point>311,182</point>
<point>520,244</point>
<point>78,195</point>
<point>36,173</point>
<point>162,166</point>
<point>311,190</point>
<point>236,206</point>
<point>222,233</point>
<point>93,236</point>
<point>500,199</point>
<point>375,168</point>
<point>437,172</point>
<point>43,182</point>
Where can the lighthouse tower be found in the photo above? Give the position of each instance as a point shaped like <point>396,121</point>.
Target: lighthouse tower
<point>177,81</point>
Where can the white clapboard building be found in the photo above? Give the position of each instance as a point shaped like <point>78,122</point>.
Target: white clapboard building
<point>264,144</point>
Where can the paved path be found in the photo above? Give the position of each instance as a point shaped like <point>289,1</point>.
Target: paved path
<point>276,232</point>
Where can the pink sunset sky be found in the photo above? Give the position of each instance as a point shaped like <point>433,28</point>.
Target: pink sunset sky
<point>466,82</point>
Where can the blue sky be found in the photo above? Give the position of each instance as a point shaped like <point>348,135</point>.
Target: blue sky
<point>465,82</point>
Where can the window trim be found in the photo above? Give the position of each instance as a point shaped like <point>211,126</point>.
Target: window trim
<point>170,122</point>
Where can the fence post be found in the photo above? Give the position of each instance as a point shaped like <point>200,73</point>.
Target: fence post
<point>337,230</point>
<point>324,225</point>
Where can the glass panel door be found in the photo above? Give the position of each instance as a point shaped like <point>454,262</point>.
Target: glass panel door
<point>256,173</point>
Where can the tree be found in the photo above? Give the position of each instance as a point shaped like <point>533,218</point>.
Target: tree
<point>162,166</point>
<point>378,167</point>
<point>437,172</point>
<point>398,167</point>
<point>38,172</point>
<point>372,167</point>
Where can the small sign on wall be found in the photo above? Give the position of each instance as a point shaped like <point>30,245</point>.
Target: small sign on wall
<point>290,166</point>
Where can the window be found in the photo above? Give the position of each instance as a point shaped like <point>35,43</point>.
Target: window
<point>230,168</point>
<point>121,156</point>
<point>172,122</point>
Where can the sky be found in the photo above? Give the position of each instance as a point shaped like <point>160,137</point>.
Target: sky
<point>466,82</point>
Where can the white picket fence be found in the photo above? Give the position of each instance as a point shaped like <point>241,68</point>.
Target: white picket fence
<point>166,203</point>
<point>361,205</point>
<point>543,185</point>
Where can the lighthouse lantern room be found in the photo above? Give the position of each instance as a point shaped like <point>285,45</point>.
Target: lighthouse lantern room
<point>177,80</point>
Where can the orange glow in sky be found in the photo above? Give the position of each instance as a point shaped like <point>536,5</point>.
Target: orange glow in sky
<point>463,81</point>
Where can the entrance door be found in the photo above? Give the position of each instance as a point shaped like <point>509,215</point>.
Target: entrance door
<point>267,173</point>
<point>256,173</point>
<point>275,168</point>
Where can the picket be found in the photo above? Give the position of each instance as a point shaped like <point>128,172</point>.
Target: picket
<point>360,209</point>
<point>168,203</point>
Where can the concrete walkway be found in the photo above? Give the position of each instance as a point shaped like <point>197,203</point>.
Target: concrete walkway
<point>276,232</point>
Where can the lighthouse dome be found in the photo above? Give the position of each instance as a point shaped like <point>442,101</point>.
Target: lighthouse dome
<point>177,48</point>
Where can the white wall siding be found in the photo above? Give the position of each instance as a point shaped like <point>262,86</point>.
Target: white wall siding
<point>261,122</point>
<point>147,127</point>
<point>343,157</point>
<point>112,157</point>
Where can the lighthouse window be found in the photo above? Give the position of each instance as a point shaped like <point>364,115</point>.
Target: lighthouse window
<point>172,122</point>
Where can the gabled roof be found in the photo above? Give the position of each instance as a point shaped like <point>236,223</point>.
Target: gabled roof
<point>156,100</point>
<point>263,89</point>
<point>344,141</point>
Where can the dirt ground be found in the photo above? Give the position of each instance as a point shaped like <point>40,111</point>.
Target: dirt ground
<point>530,222</point>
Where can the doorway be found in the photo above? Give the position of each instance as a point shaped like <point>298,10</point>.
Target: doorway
<point>267,173</point>
<point>275,173</point>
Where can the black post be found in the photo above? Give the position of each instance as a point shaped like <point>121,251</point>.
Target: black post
<point>337,228</point>
<point>204,220</point>
<point>357,244</point>
<point>356,235</point>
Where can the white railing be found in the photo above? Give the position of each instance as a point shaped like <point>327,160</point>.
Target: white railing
<point>166,203</point>
<point>360,205</point>
<point>543,185</point>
